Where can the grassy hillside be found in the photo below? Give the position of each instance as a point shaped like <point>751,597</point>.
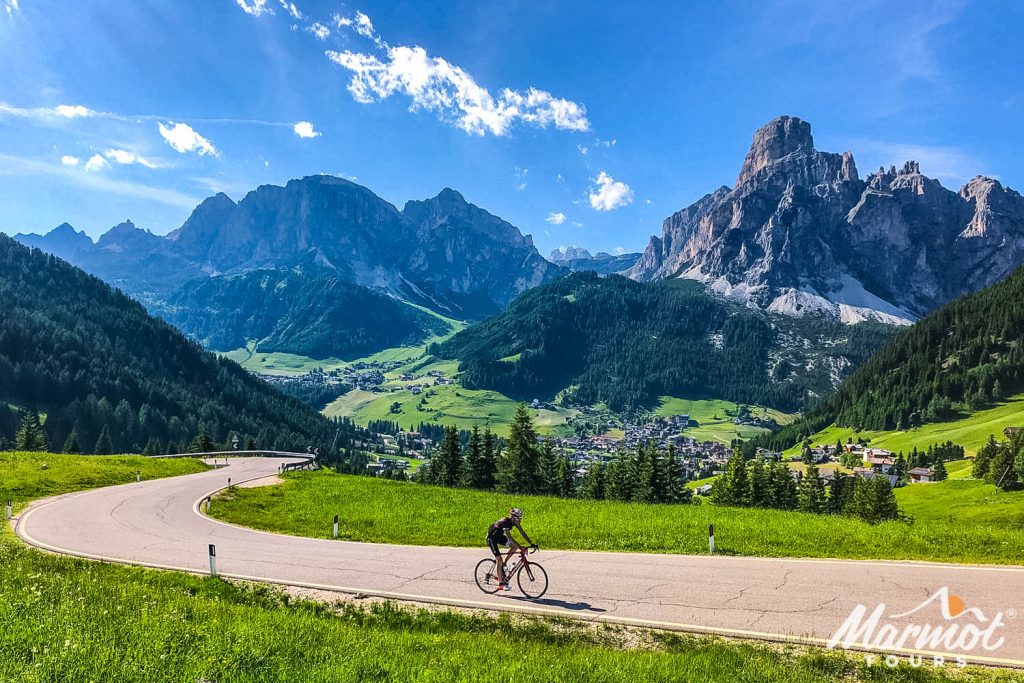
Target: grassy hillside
<point>377,510</point>
<point>715,418</point>
<point>971,431</point>
<point>66,619</point>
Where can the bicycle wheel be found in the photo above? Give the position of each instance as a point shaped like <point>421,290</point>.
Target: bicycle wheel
<point>533,581</point>
<point>486,576</point>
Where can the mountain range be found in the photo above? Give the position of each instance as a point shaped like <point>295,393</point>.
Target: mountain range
<point>579,259</point>
<point>802,233</point>
<point>333,236</point>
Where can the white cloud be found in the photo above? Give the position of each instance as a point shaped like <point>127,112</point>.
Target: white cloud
<point>647,201</point>
<point>555,218</point>
<point>255,7</point>
<point>583,150</point>
<point>340,21</point>
<point>559,178</point>
<point>604,143</point>
<point>319,30</point>
<point>608,194</point>
<point>304,129</point>
<point>96,163</point>
<point>182,138</point>
<point>11,6</point>
<point>69,160</point>
<point>618,251</point>
<point>291,9</point>
<point>436,85</point>
<point>70,111</point>
<point>125,158</point>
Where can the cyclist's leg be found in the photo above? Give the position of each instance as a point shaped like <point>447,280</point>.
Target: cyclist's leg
<point>499,563</point>
<point>513,548</point>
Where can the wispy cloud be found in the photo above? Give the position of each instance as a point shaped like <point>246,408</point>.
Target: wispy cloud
<point>555,218</point>
<point>126,158</point>
<point>436,85</point>
<point>608,194</point>
<point>11,6</point>
<point>319,30</point>
<point>183,139</point>
<point>13,165</point>
<point>69,160</point>
<point>95,163</point>
<point>255,7</point>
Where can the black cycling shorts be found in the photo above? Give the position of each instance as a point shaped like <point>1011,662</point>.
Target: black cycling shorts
<point>495,541</point>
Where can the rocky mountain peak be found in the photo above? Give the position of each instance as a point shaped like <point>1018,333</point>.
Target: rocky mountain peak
<point>775,140</point>
<point>563,254</point>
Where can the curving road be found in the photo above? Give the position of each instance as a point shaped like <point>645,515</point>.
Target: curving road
<point>158,524</point>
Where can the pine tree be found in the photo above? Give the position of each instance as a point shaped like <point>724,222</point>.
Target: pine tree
<point>1002,471</point>
<point>1019,464</point>
<point>71,443</point>
<point>446,465</point>
<point>104,446</point>
<point>30,436</point>
<point>203,442</point>
<point>759,484</point>
<point>548,470</point>
<point>473,466</point>
<point>673,477</point>
<point>152,446</point>
<point>618,481</point>
<point>782,487</point>
<point>592,487</point>
<point>518,469</point>
<point>939,472</point>
<point>566,478</point>
<point>980,465</point>
<point>811,492</point>
<point>732,487</point>
<point>884,505</point>
<point>489,462</point>
<point>645,475</point>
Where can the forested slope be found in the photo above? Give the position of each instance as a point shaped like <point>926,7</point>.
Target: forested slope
<point>89,357</point>
<point>623,342</point>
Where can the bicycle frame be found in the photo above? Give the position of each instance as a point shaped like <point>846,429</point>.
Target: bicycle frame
<point>520,564</point>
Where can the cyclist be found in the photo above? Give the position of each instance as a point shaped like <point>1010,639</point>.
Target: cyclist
<point>499,534</point>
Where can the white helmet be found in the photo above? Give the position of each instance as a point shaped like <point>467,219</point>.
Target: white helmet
<point>516,514</point>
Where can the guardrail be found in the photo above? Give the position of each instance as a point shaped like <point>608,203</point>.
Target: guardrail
<point>305,459</point>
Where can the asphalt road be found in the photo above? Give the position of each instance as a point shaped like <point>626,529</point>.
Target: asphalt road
<point>159,524</point>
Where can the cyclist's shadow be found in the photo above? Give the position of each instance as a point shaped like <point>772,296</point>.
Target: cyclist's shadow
<point>551,602</point>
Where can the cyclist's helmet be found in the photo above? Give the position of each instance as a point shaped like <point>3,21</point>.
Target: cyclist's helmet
<point>516,514</point>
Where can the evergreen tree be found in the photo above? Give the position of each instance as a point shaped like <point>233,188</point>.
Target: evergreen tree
<point>782,487</point>
<point>446,465</point>
<point>592,487</point>
<point>645,475</point>
<point>760,493</point>
<point>1019,464</point>
<point>71,443</point>
<point>474,474</point>
<point>884,505</point>
<point>202,442</point>
<point>732,487</point>
<point>104,446</point>
<point>152,446</point>
<point>489,461</point>
<point>673,477</point>
<point>566,478</point>
<point>618,479</point>
<point>30,435</point>
<point>939,472</point>
<point>811,492</point>
<point>548,470</point>
<point>1002,471</point>
<point>518,469</point>
<point>980,465</point>
<point>807,456</point>
<point>838,490</point>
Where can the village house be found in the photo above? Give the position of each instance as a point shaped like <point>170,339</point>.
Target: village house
<point>920,475</point>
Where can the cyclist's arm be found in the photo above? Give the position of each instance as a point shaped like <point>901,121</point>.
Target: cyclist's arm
<point>524,534</point>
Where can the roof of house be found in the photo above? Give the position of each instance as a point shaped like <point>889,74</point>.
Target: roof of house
<point>921,470</point>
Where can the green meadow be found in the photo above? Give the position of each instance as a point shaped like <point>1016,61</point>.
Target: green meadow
<point>971,431</point>
<point>381,511</point>
<point>66,619</point>
<point>715,418</point>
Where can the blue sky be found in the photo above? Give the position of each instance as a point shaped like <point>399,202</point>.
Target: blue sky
<point>581,123</point>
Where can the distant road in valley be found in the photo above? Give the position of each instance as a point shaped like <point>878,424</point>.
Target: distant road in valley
<point>158,524</point>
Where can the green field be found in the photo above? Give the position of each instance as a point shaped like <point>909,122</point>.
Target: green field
<point>64,619</point>
<point>714,418</point>
<point>380,511</point>
<point>971,432</point>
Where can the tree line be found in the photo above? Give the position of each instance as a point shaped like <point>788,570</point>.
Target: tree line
<point>1001,463</point>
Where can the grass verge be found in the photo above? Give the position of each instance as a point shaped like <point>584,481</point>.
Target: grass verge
<point>381,511</point>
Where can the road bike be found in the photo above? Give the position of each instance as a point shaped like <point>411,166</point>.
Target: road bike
<point>531,577</point>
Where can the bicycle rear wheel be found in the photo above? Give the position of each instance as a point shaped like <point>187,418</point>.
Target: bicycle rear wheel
<point>486,575</point>
<point>533,581</point>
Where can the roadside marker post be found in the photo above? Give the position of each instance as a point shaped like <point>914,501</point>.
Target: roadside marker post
<point>207,506</point>
<point>213,560</point>
<point>138,475</point>
<point>10,512</point>
<point>335,526</point>
<point>711,538</point>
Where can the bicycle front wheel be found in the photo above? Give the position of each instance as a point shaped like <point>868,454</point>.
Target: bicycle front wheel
<point>487,576</point>
<point>533,581</point>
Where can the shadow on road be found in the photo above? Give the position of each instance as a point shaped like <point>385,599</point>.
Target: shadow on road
<point>550,602</point>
